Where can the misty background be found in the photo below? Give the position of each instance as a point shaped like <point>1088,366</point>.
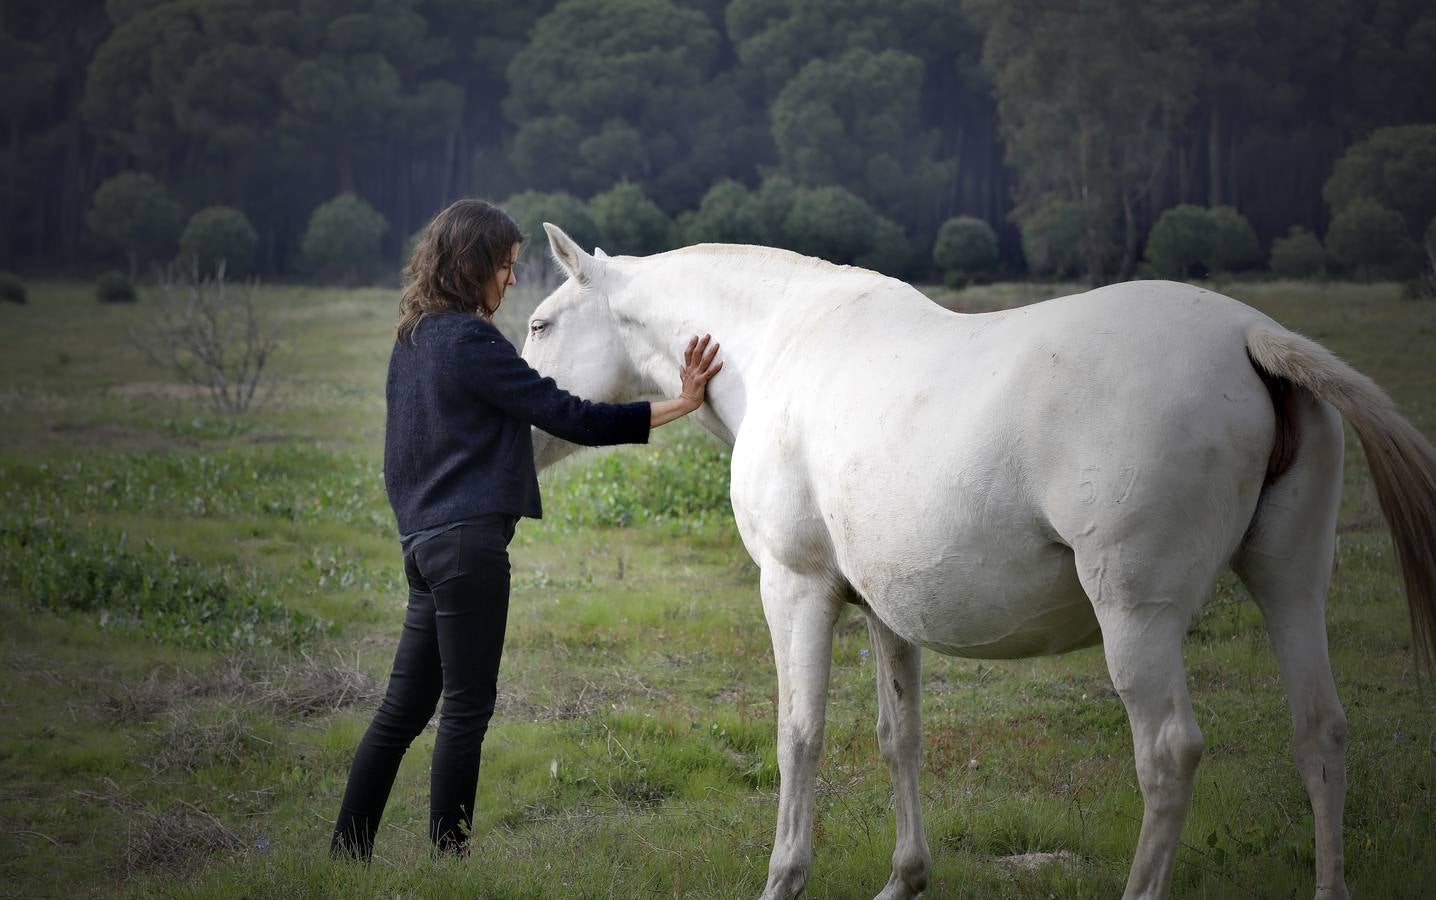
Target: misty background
<point>309,140</point>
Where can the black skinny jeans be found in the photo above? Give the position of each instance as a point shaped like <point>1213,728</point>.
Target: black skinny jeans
<point>452,640</point>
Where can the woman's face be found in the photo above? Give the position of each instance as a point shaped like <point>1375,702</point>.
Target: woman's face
<point>503,278</point>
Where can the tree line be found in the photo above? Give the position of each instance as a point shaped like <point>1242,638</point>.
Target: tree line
<point>853,129</point>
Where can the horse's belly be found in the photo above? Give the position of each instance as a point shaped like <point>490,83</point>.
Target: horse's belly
<point>998,605</point>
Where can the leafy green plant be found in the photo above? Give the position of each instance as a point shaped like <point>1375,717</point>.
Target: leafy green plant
<point>966,248</point>
<point>1366,237</point>
<point>685,479</point>
<point>343,236</point>
<point>143,591</point>
<point>114,287</point>
<point>11,288</point>
<point>1298,255</point>
<point>218,234</point>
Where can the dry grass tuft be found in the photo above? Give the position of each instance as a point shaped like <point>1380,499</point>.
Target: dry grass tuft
<point>171,838</point>
<point>283,685</point>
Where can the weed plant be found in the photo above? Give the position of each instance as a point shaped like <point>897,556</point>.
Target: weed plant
<point>143,591</point>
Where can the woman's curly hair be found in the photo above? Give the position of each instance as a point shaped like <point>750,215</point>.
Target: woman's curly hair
<point>455,262</point>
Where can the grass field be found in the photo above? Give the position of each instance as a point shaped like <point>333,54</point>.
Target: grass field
<point>197,749</point>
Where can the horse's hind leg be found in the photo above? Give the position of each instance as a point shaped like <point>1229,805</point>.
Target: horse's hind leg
<point>899,674</point>
<point>1286,564</point>
<point>1142,638</point>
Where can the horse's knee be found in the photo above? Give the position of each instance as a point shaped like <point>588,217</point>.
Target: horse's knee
<point>1167,766</point>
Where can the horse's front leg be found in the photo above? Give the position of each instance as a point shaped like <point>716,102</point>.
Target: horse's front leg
<point>899,673</point>
<point>801,611</point>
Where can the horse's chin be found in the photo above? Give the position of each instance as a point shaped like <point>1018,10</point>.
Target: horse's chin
<point>549,449</point>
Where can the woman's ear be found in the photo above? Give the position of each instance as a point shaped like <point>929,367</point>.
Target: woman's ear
<point>579,265</point>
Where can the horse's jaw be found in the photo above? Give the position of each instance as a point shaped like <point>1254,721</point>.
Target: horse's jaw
<point>549,449</point>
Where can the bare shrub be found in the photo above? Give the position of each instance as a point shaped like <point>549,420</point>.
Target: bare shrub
<point>211,337</point>
<point>287,686</point>
<point>171,838</point>
<point>195,738</point>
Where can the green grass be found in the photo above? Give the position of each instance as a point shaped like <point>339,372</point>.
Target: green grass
<point>633,750</point>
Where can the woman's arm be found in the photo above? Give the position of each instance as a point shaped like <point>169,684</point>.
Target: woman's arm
<point>697,369</point>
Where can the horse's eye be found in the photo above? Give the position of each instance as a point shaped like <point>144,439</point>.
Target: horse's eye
<point>537,325</point>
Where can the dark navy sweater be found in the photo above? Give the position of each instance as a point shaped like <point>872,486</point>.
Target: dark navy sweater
<point>460,403</point>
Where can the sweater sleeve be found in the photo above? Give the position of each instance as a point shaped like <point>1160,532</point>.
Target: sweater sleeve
<point>501,378</point>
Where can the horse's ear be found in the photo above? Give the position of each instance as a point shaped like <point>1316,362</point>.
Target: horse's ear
<point>599,254</point>
<point>579,265</point>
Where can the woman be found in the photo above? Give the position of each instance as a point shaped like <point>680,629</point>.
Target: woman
<point>459,471</point>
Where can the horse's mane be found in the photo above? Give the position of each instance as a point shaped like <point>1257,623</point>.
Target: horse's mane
<point>755,255</point>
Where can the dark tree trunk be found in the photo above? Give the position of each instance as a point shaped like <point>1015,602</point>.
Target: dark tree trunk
<point>1129,240</point>
<point>1216,151</point>
<point>344,164</point>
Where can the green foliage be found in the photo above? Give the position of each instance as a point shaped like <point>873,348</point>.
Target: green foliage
<point>1298,255</point>
<point>856,121</point>
<point>966,246</point>
<point>1051,239</point>
<point>143,591</point>
<point>889,251</point>
<point>291,483</point>
<point>1234,243</point>
<point>343,236</point>
<point>629,222</point>
<point>135,212</point>
<point>613,90</point>
<point>683,480</point>
<point>533,208</point>
<point>829,222</point>
<point>725,216</point>
<point>12,288</point>
<point>1366,236</point>
<point>1182,239</point>
<point>218,234</point>
<point>1054,95</point>
<point>1395,167</point>
<point>114,287</point>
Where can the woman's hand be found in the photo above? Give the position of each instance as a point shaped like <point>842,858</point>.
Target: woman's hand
<point>699,366</point>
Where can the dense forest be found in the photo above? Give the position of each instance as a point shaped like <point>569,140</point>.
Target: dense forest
<point>137,129</point>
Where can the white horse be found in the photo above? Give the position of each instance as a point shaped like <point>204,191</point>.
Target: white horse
<point>1005,485</point>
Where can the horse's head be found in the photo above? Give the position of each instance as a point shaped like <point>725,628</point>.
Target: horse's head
<point>574,339</point>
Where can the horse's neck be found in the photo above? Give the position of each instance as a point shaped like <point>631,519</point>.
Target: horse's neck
<point>698,296</point>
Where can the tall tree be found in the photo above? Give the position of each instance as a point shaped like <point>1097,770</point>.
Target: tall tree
<point>1089,94</point>
<point>632,90</point>
<point>856,121</point>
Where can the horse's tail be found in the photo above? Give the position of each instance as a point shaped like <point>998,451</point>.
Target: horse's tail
<point>1402,460</point>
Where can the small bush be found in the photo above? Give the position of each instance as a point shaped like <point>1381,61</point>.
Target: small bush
<point>966,248</point>
<point>1234,243</point>
<point>12,288</point>
<point>343,237</point>
<point>135,212</point>
<point>113,287</point>
<point>683,480</point>
<point>1182,240</point>
<point>1367,237</point>
<point>1298,255</point>
<point>830,222</point>
<point>1050,239</point>
<point>218,234</point>
<point>889,251</point>
<point>531,209</point>
<point>629,222</point>
<point>145,592</point>
<point>722,217</point>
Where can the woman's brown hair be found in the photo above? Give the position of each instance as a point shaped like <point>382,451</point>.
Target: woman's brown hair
<point>455,262</point>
